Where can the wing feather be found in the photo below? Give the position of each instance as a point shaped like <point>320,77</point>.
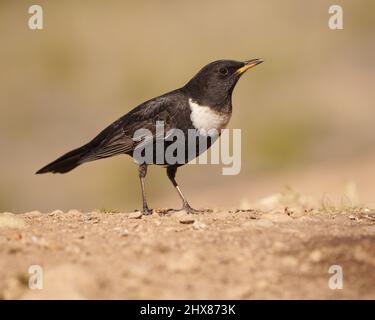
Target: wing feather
<point>118,138</point>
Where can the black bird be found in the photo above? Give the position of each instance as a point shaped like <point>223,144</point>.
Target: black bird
<point>204,103</point>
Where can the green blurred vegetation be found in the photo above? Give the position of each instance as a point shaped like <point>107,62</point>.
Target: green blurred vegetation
<point>95,61</point>
<point>282,142</point>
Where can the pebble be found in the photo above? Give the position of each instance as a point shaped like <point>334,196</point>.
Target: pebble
<point>187,220</point>
<point>296,213</point>
<point>56,212</point>
<point>33,214</point>
<point>157,222</point>
<point>199,225</point>
<point>93,219</point>
<point>125,233</point>
<point>74,212</point>
<point>40,241</point>
<point>135,215</point>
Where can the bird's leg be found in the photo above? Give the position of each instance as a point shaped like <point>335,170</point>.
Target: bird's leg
<point>142,174</point>
<point>171,172</point>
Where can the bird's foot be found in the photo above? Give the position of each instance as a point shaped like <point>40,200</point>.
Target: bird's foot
<point>170,210</point>
<point>191,210</point>
<point>146,211</point>
<point>186,207</point>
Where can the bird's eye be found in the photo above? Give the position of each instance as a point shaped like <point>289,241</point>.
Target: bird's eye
<point>223,71</point>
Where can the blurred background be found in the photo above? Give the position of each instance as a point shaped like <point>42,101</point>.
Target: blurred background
<point>306,114</point>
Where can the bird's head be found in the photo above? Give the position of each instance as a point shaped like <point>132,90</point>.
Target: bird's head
<point>214,83</point>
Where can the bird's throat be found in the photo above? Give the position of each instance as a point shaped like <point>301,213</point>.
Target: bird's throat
<point>206,118</point>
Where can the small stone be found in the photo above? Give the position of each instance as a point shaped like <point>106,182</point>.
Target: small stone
<point>93,219</point>
<point>74,212</point>
<point>56,212</point>
<point>135,215</point>
<point>160,210</point>
<point>296,213</point>
<point>33,214</point>
<point>125,233</point>
<point>39,241</point>
<point>187,220</point>
<point>199,225</point>
<point>352,217</point>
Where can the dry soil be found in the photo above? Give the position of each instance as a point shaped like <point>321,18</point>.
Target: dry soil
<point>239,254</point>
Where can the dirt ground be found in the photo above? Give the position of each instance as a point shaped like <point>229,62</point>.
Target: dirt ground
<point>241,254</point>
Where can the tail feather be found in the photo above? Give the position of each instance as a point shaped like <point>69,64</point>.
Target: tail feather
<point>108,143</point>
<point>67,162</point>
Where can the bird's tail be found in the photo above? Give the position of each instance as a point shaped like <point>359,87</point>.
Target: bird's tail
<point>67,162</point>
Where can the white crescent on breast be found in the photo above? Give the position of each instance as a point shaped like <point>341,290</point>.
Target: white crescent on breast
<point>205,118</point>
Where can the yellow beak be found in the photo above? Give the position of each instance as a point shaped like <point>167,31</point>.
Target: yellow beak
<point>248,64</point>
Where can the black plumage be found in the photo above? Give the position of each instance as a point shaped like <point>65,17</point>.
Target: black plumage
<point>211,87</point>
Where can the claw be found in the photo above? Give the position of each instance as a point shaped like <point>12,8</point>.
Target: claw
<point>191,210</point>
<point>185,208</point>
<point>147,211</point>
